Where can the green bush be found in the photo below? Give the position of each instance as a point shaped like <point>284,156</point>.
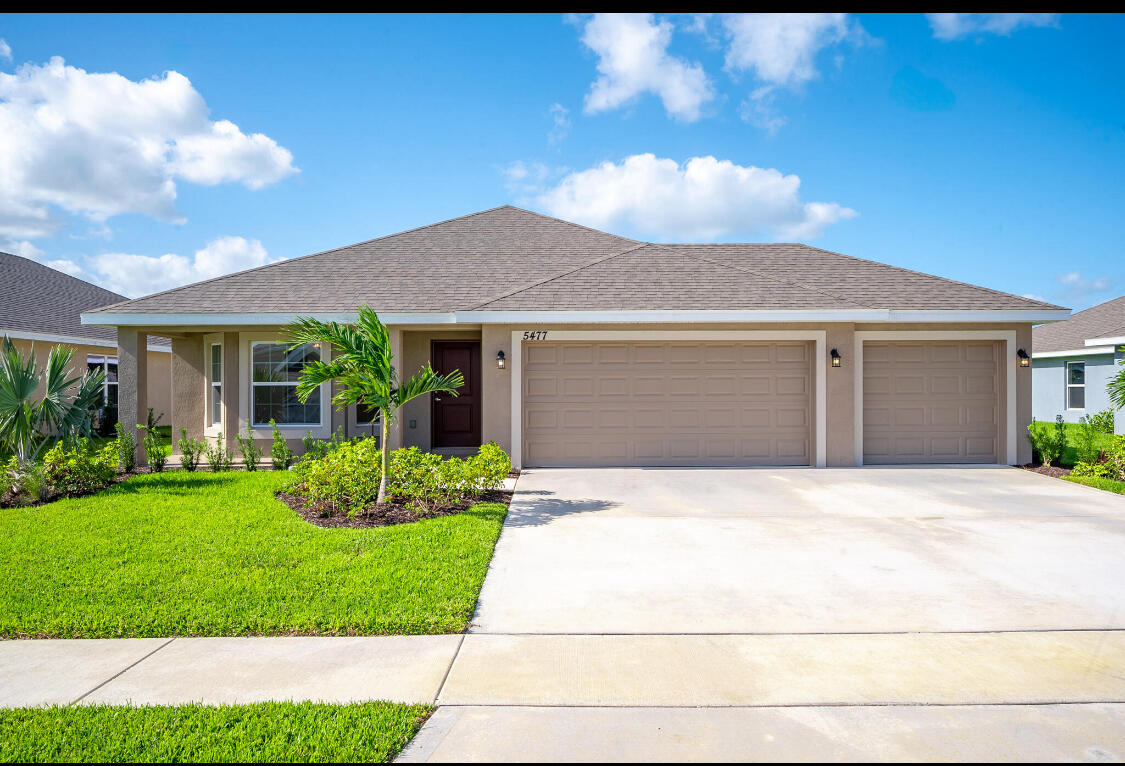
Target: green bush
<point>346,477</point>
<point>156,453</point>
<point>251,453</point>
<point>317,448</point>
<point>79,469</point>
<point>492,465</point>
<point>1097,470</point>
<point>280,454</point>
<point>1115,455</point>
<point>191,450</point>
<point>426,483</point>
<point>27,481</point>
<point>219,458</point>
<point>1048,440</point>
<point>126,448</point>
<point>1086,442</point>
<point>1102,421</point>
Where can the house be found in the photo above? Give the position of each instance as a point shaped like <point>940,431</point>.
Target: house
<point>40,308</point>
<point>1075,359</point>
<point>581,348</point>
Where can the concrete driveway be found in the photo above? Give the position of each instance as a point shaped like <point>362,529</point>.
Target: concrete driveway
<point>805,551</point>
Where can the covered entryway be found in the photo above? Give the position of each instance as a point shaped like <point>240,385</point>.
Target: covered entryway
<point>932,401</point>
<point>667,403</point>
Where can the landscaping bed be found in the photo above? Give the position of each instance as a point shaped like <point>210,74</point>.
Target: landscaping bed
<point>383,514</point>
<point>263,732</point>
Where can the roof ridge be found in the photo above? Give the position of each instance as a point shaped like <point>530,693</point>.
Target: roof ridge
<point>775,279</point>
<point>1103,304</point>
<point>570,223</point>
<point>61,273</point>
<point>308,255</point>
<point>595,262</point>
<point>934,276</point>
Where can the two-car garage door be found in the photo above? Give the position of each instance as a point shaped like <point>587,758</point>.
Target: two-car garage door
<point>667,403</point>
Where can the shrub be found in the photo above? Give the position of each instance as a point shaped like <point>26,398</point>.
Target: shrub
<point>346,477</point>
<point>317,448</point>
<point>156,454</point>
<point>1048,440</point>
<point>251,453</point>
<point>1102,421</point>
<point>426,483</point>
<point>1115,455</point>
<point>492,465</point>
<point>190,451</point>
<point>219,458</point>
<point>280,454</point>
<point>1099,470</point>
<point>1086,442</point>
<point>126,448</point>
<point>80,469</point>
<point>27,481</point>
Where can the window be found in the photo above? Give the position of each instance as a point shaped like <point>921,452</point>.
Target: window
<point>216,384</point>
<point>108,365</point>
<point>275,370</point>
<point>1076,385</point>
<point>365,416</point>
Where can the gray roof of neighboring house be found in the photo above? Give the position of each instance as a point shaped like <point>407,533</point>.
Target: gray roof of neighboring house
<point>512,259</point>
<point>37,299</point>
<point>1106,320</point>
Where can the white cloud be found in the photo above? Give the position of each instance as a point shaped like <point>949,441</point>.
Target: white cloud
<point>1074,285</point>
<point>954,26</point>
<point>5,49</point>
<point>633,59</point>
<point>135,275</point>
<point>99,145</point>
<point>702,199</point>
<point>560,116</point>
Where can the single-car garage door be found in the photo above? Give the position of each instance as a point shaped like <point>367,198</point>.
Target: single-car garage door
<point>667,403</point>
<point>931,402</point>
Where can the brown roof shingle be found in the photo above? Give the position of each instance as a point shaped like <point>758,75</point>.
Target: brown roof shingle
<point>512,259</point>
<point>1106,320</point>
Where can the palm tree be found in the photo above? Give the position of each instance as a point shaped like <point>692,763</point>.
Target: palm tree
<point>28,424</point>
<point>362,366</point>
<point>1116,387</point>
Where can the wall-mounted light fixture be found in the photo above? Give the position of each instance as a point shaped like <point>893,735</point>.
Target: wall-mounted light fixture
<point>501,362</point>
<point>835,357</point>
<point>1025,360</point>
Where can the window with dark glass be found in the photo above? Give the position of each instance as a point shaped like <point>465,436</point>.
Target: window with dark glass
<point>273,384</point>
<point>1076,385</point>
<point>216,384</point>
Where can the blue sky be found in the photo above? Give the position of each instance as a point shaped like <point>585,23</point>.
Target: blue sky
<point>985,149</point>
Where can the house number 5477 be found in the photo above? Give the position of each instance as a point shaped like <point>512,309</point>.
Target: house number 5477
<point>535,335</point>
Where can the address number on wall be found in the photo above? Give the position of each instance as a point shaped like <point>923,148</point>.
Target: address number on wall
<point>535,335</point>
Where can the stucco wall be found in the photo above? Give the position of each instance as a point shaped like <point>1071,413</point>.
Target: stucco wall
<point>1049,393</point>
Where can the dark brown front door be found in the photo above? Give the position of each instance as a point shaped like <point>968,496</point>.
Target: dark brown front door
<point>456,419</point>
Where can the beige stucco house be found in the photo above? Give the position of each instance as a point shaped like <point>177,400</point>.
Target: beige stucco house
<point>581,348</point>
<point>40,308</point>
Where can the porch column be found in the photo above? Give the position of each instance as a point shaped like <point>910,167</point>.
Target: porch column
<point>395,436</point>
<point>232,386</point>
<point>189,387</point>
<point>132,382</point>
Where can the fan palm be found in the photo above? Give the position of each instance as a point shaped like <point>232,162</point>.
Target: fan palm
<point>362,366</point>
<point>27,424</point>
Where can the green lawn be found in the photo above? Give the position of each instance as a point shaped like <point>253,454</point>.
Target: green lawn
<point>262,732</point>
<point>1109,485</point>
<point>178,553</point>
<point>1070,454</point>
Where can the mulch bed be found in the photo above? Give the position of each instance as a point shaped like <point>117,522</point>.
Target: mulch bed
<point>1053,471</point>
<point>8,498</point>
<point>382,515</point>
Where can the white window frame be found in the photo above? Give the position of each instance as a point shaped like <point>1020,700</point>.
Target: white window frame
<point>105,362</point>
<point>321,430</point>
<point>1069,385</point>
<point>211,428</point>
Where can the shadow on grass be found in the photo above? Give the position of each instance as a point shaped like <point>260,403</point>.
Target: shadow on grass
<point>177,482</point>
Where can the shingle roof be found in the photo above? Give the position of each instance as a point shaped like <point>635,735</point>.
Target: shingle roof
<point>1106,320</point>
<point>38,299</point>
<point>512,259</point>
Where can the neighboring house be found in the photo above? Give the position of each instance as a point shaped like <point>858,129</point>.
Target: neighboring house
<point>1075,359</point>
<point>580,348</point>
<point>40,308</point>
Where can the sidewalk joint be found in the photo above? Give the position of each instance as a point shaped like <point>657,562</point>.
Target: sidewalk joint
<point>123,670</point>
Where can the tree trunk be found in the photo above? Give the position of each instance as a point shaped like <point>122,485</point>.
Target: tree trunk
<point>385,457</point>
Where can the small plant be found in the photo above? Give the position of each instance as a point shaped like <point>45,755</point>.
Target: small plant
<point>1102,421</point>
<point>191,450</point>
<point>491,465</point>
<point>219,458</point>
<point>156,454</point>
<point>1098,470</point>
<point>315,448</point>
<point>1048,440</point>
<point>346,478</point>
<point>251,453</point>
<point>79,469</point>
<point>1086,442</point>
<point>151,423</point>
<point>280,454</point>
<point>27,481</point>
<point>126,448</point>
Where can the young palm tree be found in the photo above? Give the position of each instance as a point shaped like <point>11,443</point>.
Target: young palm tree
<point>362,367</point>
<point>28,424</point>
<point>1116,388</point>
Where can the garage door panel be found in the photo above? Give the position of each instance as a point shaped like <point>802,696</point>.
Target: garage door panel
<point>931,402</point>
<point>668,403</point>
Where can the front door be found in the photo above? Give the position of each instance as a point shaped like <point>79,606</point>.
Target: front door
<point>456,419</point>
